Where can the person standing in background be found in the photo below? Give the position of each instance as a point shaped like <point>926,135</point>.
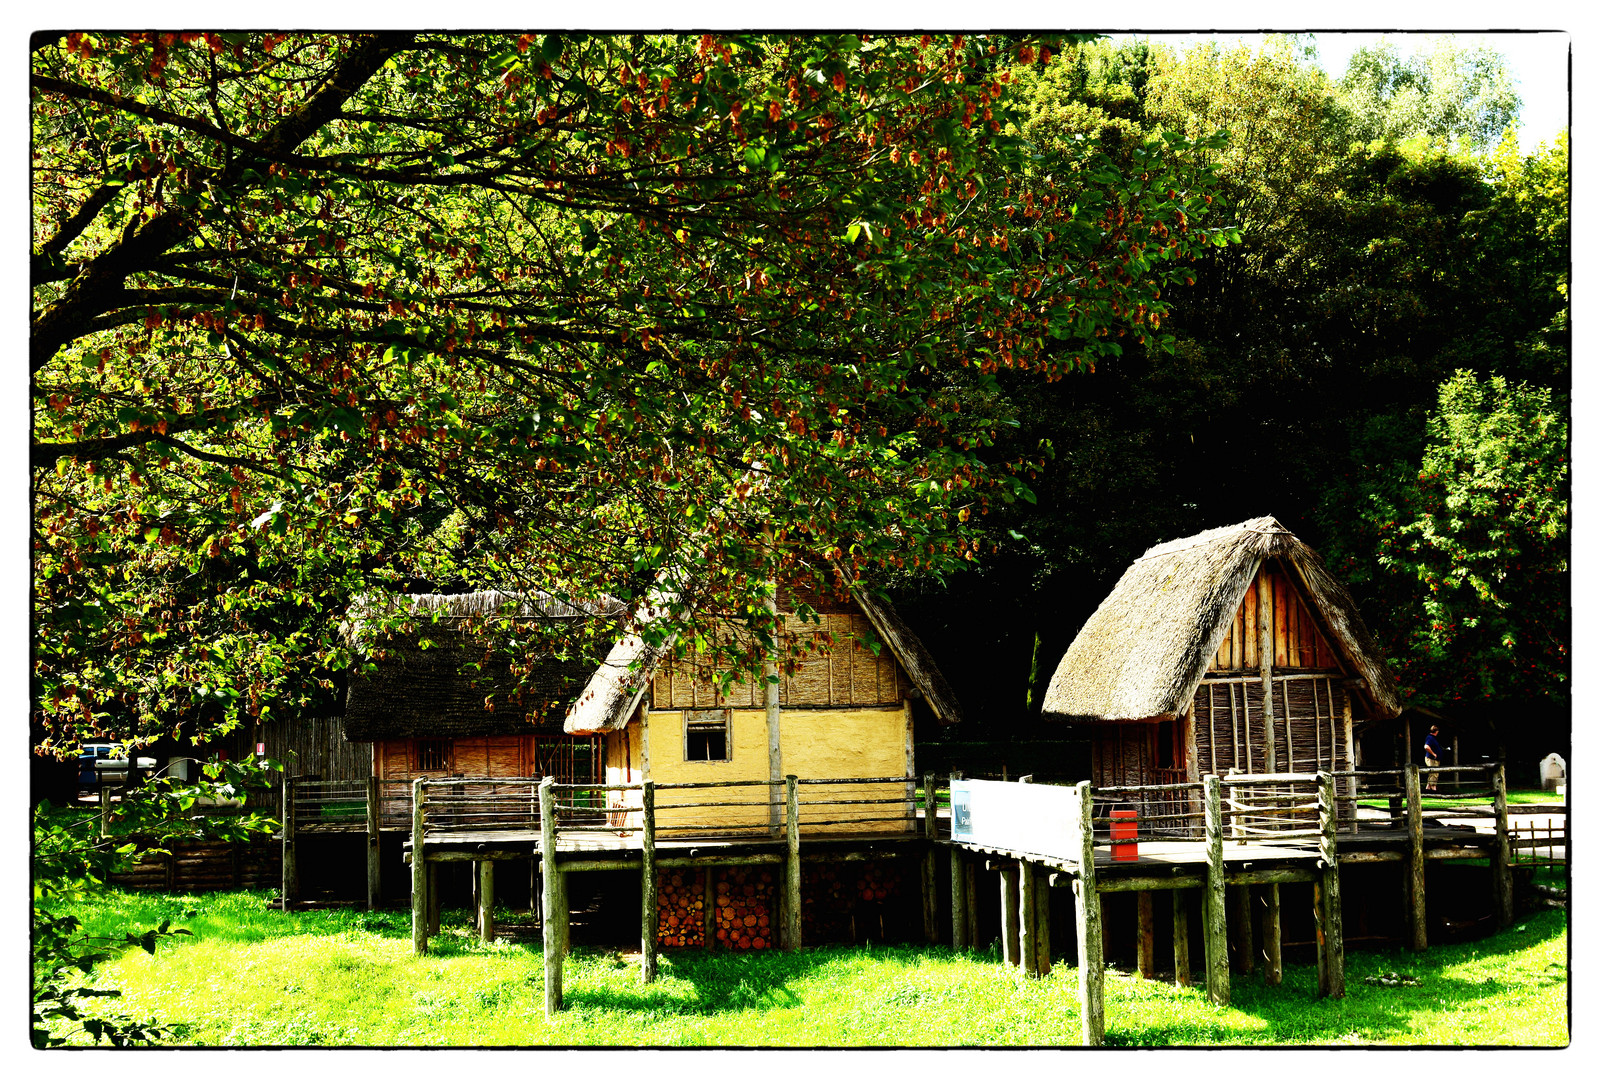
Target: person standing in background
<point>1431,756</point>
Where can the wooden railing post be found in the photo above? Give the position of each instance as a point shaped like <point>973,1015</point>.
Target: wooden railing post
<point>375,892</point>
<point>1215,918</point>
<point>647,883</point>
<point>1416,913</point>
<point>105,808</point>
<point>1501,868</point>
<point>1091,973</point>
<point>930,833</point>
<point>792,864</point>
<point>1329,914</point>
<point>291,872</point>
<point>554,898</point>
<point>419,871</point>
<point>959,938</point>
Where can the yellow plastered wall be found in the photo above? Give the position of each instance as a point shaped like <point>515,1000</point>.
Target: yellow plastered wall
<point>815,744</point>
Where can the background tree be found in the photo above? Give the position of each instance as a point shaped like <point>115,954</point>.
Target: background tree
<point>1449,95</point>
<point>320,316</point>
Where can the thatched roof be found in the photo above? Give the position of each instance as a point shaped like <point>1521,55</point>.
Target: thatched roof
<point>1144,651</point>
<point>616,686</point>
<point>462,683</point>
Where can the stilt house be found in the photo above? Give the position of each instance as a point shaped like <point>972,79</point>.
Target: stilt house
<point>846,711</point>
<point>445,701</point>
<point>1233,648</point>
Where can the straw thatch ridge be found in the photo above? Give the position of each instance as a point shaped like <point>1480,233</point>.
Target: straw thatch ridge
<point>1143,652</point>
<point>617,686</point>
<point>460,684</point>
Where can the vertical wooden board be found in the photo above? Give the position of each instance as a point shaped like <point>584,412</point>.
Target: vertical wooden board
<point>1292,627</point>
<point>1237,636</point>
<point>504,753</point>
<point>470,757</point>
<point>1248,626</point>
<point>1281,618</point>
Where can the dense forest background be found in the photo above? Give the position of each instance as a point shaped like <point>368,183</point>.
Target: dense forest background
<point>1382,364</point>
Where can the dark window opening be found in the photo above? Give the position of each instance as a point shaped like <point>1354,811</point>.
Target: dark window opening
<point>433,755</point>
<point>1169,752</point>
<point>706,736</point>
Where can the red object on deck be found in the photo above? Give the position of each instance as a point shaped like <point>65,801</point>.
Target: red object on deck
<point>1125,828</point>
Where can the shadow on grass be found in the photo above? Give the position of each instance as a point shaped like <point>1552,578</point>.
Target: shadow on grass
<point>726,982</point>
<point>1377,1011</point>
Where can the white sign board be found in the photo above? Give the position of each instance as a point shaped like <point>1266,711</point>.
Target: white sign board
<point>1040,819</point>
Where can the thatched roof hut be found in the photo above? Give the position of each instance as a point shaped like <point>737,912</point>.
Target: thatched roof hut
<point>1145,650</point>
<point>618,684</point>
<point>452,675</point>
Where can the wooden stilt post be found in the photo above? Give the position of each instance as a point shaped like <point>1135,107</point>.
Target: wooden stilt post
<point>1273,938</point>
<point>419,871</point>
<point>1010,931</point>
<point>1087,920</point>
<point>1181,937</point>
<point>553,899</point>
<point>1416,913</point>
<point>535,891</point>
<point>486,900</point>
<point>1243,945</point>
<point>930,833</point>
<point>1331,928</point>
<point>375,890</point>
<point>970,875</point>
<point>1501,867</point>
<point>105,808</point>
<point>434,897</point>
<point>1145,942</point>
<point>1042,929</point>
<point>960,939</point>
<point>792,864</point>
<point>1028,931</point>
<point>647,885</point>
<point>291,872</point>
<point>1214,919</point>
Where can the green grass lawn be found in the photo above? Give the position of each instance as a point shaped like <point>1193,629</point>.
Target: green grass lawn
<point>253,976</point>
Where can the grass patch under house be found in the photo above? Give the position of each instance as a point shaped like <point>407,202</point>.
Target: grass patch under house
<point>255,976</point>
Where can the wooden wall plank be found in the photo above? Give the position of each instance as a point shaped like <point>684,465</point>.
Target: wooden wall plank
<point>1249,626</point>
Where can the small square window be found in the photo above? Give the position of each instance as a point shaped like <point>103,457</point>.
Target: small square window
<point>433,755</point>
<point>706,735</point>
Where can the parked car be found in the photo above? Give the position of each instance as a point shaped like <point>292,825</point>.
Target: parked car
<point>98,763</point>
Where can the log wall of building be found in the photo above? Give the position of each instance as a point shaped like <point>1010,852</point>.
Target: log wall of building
<point>1298,641</point>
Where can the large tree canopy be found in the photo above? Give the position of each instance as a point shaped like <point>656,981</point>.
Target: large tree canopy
<point>326,316</point>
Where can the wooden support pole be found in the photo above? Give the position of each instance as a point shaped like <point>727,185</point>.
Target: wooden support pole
<point>1273,938</point>
<point>375,890</point>
<point>1145,941</point>
<point>1042,928</point>
<point>553,899</point>
<point>486,900</point>
<point>959,935</point>
<point>1326,896</point>
<point>1501,865</point>
<point>1266,617</point>
<point>775,754</point>
<point>1244,952</point>
<point>1214,922</point>
<point>535,890</point>
<point>105,808</point>
<point>1416,913</point>
<point>435,896</point>
<point>419,871</point>
<point>1181,937</point>
<point>291,872</point>
<point>930,832</point>
<point>970,885</point>
<point>1087,923</point>
<point>792,865</point>
<point>1010,931</point>
<point>1028,931</point>
<point>647,884</point>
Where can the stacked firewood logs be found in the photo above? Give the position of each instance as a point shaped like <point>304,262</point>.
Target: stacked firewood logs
<point>680,908</point>
<point>745,899</point>
<point>841,900</point>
